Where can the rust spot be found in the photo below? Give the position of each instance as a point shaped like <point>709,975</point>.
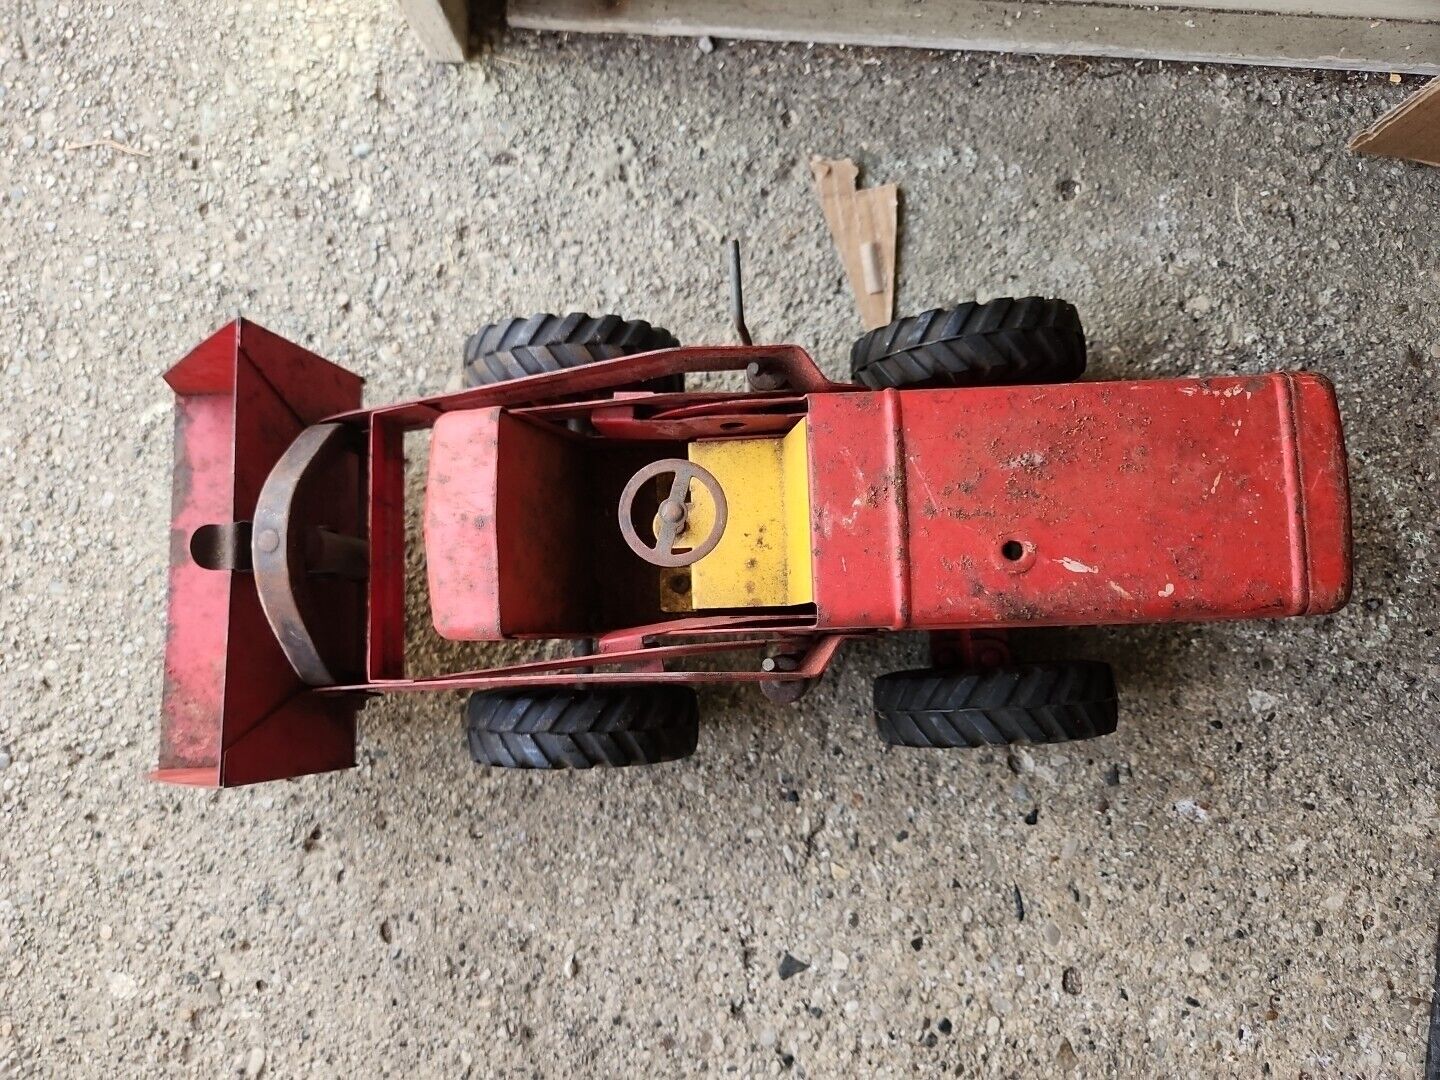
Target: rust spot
<point>1016,488</point>
<point>1013,609</point>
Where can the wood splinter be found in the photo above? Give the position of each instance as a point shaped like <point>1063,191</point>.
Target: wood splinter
<point>863,227</point>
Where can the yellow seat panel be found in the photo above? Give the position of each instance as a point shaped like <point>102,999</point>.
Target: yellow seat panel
<point>763,559</point>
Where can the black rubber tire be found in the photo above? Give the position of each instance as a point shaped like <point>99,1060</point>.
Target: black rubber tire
<point>579,728</point>
<point>1026,703</point>
<point>516,347</point>
<point>1003,343</point>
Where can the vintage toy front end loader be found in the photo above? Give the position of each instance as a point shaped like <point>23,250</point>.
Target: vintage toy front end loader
<point>964,483</point>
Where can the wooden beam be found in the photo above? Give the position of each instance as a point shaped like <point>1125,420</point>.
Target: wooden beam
<point>443,27</point>
<point>1421,10</point>
<point>1073,29</point>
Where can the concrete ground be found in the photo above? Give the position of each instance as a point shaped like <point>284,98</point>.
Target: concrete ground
<point>1241,882</point>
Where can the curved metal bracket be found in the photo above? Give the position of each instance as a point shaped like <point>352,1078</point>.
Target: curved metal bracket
<point>285,541</point>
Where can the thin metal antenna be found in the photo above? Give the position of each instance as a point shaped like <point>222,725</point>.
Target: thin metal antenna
<point>737,295</point>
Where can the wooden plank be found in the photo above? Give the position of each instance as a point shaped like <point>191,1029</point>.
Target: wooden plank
<point>443,27</point>
<point>1419,10</point>
<point>862,224</point>
<point>1075,29</point>
<point>1411,130</point>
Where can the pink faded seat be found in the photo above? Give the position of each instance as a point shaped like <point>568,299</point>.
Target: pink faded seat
<point>505,492</point>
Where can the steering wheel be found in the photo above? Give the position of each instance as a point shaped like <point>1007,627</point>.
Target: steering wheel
<point>673,515</point>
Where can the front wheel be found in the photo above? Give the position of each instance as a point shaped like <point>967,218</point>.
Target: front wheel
<point>582,727</point>
<point>1022,703</point>
<point>1005,342</point>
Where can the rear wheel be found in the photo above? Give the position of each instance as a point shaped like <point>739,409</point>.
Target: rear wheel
<point>516,347</point>
<point>1005,342</point>
<point>580,728</point>
<point>1023,703</point>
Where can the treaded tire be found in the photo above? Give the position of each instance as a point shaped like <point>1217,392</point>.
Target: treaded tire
<point>1006,342</point>
<point>579,728</point>
<point>516,347</point>
<point>1026,703</point>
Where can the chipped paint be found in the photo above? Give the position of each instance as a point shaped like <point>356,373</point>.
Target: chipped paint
<point>1138,500</point>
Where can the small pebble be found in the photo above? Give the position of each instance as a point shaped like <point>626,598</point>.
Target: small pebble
<point>840,961</point>
<point>1262,702</point>
<point>791,966</point>
<point>1191,810</point>
<point>706,45</point>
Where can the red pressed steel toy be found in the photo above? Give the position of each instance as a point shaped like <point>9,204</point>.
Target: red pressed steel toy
<point>962,485</point>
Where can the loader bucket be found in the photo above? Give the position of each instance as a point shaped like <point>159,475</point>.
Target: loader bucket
<point>234,711</point>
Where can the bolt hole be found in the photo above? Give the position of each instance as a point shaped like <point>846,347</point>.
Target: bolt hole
<point>1012,550</point>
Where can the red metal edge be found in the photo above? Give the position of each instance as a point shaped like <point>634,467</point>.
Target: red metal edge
<point>640,661</point>
<point>794,363</point>
<point>385,614</point>
<point>203,777</point>
<point>1323,484</point>
<point>199,600</point>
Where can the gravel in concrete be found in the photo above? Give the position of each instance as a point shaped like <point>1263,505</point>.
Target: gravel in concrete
<point>1241,882</point>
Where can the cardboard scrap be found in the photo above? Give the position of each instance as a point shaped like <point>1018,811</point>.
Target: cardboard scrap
<point>863,226</point>
<point>1410,130</point>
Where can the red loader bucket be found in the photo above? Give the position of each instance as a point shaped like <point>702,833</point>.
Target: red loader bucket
<point>234,711</point>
